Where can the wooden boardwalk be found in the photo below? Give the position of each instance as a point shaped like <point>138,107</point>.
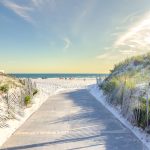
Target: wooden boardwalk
<point>73,120</point>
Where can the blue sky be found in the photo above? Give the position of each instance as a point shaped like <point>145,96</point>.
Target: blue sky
<point>67,36</point>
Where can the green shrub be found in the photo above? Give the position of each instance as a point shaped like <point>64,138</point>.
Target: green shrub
<point>4,88</point>
<point>130,83</point>
<point>27,100</point>
<point>110,85</point>
<point>35,91</point>
<point>124,82</point>
<point>22,81</point>
<point>141,114</point>
<point>141,117</point>
<point>138,60</point>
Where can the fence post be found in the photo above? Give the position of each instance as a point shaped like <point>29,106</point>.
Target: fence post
<point>147,105</point>
<point>7,101</point>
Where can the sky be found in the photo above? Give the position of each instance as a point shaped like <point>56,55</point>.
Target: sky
<point>71,36</point>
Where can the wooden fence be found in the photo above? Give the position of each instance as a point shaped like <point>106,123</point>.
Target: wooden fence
<point>133,104</point>
<point>12,103</point>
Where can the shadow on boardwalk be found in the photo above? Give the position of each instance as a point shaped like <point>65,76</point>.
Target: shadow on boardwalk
<point>91,127</point>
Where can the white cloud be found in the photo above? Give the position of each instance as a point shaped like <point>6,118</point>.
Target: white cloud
<point>138,35</point>
<point>103,56</point>
<point>82,15</point>
<point>30,10</point>
<point>132,17</point>
<point>135,39</point>
<point>67,43</point>
<point>22,11</point>
<point>42,4</point>
<point>132,46</point>
<point>128,52</point>
<point>37,2</point>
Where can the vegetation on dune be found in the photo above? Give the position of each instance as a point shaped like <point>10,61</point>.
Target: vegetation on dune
<point>133,65</point>
<point>15,95</point>
<point>4,88</point>
<point>117,86</point>
<point>141,113</point>
<point>27,100</point>
<point>35,91</point>
<point>126,87</point>
<point>8,82</point>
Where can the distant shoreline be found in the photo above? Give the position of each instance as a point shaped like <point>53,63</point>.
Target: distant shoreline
<point>56,75</point>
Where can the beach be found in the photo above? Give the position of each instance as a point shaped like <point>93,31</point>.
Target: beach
<point>54,84</point>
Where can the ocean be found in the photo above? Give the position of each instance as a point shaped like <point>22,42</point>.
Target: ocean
<point>53,75</point>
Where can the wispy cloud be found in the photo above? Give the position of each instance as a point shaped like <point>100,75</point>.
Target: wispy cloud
<point>82,15</point>
<point>138,35</point>
<point>37,2</point>
<point>135,41</point>
<point>67,43</point>
<point>30,10</point>
<point>132,17</point>
<point>44,4</point>
<point>128,52</point>
<point>110,57</point>
<point>21,11</point>
<point>103,56</point>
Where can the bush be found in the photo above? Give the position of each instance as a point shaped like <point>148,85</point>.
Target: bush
<point>27,100</point>
<point>138,60</point>
<point>22,81</point>
<point>141,114</point>
<point>126,85</point>
<point>130,83</point>
<point>141,117</point>
<point>110,86</point>
<point>4,88</point>
<point>35,91</point>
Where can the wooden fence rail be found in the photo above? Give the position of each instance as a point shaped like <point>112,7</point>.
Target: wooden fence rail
<point>133,104</point>
<point>12,103</point>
